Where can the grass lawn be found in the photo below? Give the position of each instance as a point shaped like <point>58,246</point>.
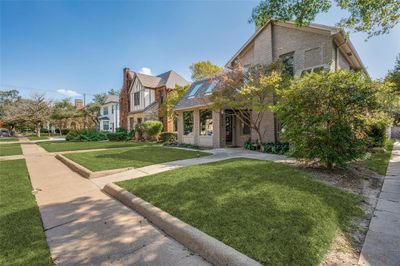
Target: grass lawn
<point>38,138</point>
<point>8,139</point>
<point>271,212</point>
<point>379,159</point>
<point>22,240</point>
<point>131,157</point>
<point>10,149</point>
<point>58,146</point>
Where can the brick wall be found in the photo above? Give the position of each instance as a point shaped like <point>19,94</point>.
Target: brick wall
<point>124,99</point>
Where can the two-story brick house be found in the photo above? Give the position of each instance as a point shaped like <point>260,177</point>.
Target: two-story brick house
<point>141,96</point>
<point>303,49</point>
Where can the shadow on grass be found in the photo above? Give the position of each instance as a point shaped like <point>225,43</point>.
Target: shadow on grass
<point>270,212</point>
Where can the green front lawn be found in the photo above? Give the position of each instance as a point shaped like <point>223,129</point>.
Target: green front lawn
<point>378,160</point>
<point>10,149</point>
<point>58,146</point>
<point>8,139</point>
<point>131,157</point>
<point>22,240</point>
<point>273,213</point>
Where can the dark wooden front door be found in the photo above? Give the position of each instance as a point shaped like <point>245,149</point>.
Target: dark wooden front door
<point>229,129</point>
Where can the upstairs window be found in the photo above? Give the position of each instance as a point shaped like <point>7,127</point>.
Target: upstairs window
<point>136,98</point>
<point>105,110</point>
<point>288,63</point>
<point>211,86</point>
<point>195,89</point>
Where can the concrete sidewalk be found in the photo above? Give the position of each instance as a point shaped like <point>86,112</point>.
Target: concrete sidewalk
<point>217,155</point>
<point>382,243</point>
<point>85,226</point>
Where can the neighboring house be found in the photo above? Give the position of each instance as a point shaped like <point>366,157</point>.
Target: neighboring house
<point>142,95</point>
<point>304,49</point>
<point>109,114</point>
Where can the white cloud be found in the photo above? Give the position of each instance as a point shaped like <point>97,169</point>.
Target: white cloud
<point>145,70</point>
<point>68,93</point>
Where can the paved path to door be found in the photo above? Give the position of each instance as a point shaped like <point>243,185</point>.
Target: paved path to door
<point>217,155</point>
<point>85,226</point>
<point>382,243</point>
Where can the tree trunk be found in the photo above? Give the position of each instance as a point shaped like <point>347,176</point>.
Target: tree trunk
<point>38,130</point>
<point>329,165</point>
<point>259,139</point>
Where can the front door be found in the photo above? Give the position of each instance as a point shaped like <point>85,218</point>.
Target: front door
<point>229,129</point>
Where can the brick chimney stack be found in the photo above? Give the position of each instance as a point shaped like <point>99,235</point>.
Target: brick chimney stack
<point>78,104</point>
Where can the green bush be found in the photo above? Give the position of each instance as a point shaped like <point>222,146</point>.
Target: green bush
<point>130,134</point>
<point>139,130</point>
<point>153,128</point>
<point>117,136</point>
<point>325,116</point>
<point>86,135</point>
<point>120,129</point>
<point>168,136</point>
<point>276,147</point>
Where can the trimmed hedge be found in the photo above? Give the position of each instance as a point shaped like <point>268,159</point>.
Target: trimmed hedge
<point>152,128</point>
<point>86,135</point>
<point>168,137</point>
<point>117,136</point>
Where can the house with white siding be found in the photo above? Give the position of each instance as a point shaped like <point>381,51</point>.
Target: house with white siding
<point>109,114</point>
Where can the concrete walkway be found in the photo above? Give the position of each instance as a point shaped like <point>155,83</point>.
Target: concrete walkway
<point>217,155</point>
<point>85,226</point>
<point>382,243</point>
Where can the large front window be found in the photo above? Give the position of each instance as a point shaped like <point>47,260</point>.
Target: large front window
<point>106,125</point>
<point>206,123</point>
<point>136,98</point>
<point>188,123</point>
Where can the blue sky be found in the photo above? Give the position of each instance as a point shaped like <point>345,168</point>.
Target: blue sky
<point>82,46</point>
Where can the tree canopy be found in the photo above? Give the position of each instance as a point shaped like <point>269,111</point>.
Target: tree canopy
<point>374,17</point>
<point>327,115</point>
<point>203,69</point>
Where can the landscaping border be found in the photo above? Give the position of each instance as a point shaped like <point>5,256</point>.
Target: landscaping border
<point>206,246</point>
<point>86,173</point>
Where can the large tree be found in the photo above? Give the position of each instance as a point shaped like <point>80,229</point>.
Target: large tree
<point>371,16</point>
<point>203,69</point>
<point>327,115</point>
<point>35,111</point>
<point>6,98</point>
<point>249,94</point>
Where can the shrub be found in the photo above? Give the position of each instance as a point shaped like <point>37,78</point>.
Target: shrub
<point>120,129</point>
<point>130,134</point>
<point>276,147</point>
<point>139,130</point>
<point>117,136</point>
<point>85,135</point>
<point>168,136</point>
<point>153,128</point>
<point>325,116</point>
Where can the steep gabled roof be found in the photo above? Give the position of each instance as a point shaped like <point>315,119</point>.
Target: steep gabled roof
<point>171,78</point>
<point>333,31</point>
<point>168,79</point>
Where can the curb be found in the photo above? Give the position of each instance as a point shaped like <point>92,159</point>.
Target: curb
<point>86,173</point>
<point>211,249</point>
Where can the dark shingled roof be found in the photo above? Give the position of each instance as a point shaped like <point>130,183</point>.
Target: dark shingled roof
<point>200,99</point>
